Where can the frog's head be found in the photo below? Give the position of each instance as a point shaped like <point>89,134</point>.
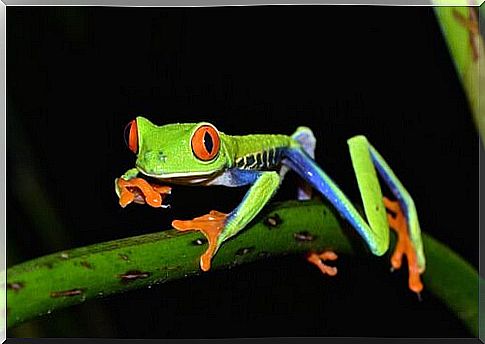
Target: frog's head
<point>175,150</point>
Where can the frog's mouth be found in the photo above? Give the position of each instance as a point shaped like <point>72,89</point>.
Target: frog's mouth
<point>181,177</point>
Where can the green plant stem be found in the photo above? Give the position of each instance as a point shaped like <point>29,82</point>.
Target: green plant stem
<point>453,280</point>
<point>62,279</point>
<point>467,52</point>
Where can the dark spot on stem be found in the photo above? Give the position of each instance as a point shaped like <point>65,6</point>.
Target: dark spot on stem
<point>123,256</point>
<point>86,264</point>
<point>48,265</point>
<point>273,221</point>
<point>243,251</point>
<point>303,236</point>
<point>71,292</point>
<point>133,275</point>
<point>15,286</point>
<point>199,241</point>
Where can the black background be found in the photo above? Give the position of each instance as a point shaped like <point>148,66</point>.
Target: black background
<point>76,76</point>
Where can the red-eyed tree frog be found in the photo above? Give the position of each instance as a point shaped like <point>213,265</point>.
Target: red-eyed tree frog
<point>197,153</point>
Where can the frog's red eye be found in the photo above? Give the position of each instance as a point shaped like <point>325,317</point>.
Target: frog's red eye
<point>206,143</point>
<point>131,136</point>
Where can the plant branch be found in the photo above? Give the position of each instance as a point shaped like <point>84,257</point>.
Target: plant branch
<point>67,278</point>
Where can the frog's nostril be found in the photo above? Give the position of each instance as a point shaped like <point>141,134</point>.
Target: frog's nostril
<point>162,156</point>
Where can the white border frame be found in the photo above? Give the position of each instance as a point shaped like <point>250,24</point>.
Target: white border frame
<point>155,3</point>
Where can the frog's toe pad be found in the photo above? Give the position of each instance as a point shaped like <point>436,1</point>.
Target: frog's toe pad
<point>211,225</point>
<point>404,245</point>
<point>318,259</point>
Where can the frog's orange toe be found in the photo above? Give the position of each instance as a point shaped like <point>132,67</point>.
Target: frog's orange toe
<point>404,245</point>
<point>138,190</point>
<point>318,259</point>
<point>211,225</point>
<point>126,197</point>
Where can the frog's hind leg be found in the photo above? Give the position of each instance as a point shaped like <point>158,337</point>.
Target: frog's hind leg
<point>377,234</point>
<point>304,136</point>
<point>375,231</point>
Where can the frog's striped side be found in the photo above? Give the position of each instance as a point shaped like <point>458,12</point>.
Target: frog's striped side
<point>268,159</point>
<point>257,152</point>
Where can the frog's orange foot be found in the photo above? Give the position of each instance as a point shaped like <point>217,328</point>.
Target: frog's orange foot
<point>211,225</point>
<point>138,190</point>
<point>404,245</point>
<point>318,259</point>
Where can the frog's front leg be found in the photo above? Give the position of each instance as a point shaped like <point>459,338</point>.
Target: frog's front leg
<point>217,227</point>
<point>129,189</point>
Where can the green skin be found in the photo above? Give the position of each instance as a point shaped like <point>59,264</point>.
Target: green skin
<point>165,152</point>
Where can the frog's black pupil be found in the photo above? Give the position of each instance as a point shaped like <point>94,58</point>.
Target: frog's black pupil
<point>208,143</point>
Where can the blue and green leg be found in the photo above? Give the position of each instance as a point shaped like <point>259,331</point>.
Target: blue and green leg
<point>375,231</point>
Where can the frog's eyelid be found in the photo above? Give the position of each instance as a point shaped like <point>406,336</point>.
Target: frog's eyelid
<point>131,136</point>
